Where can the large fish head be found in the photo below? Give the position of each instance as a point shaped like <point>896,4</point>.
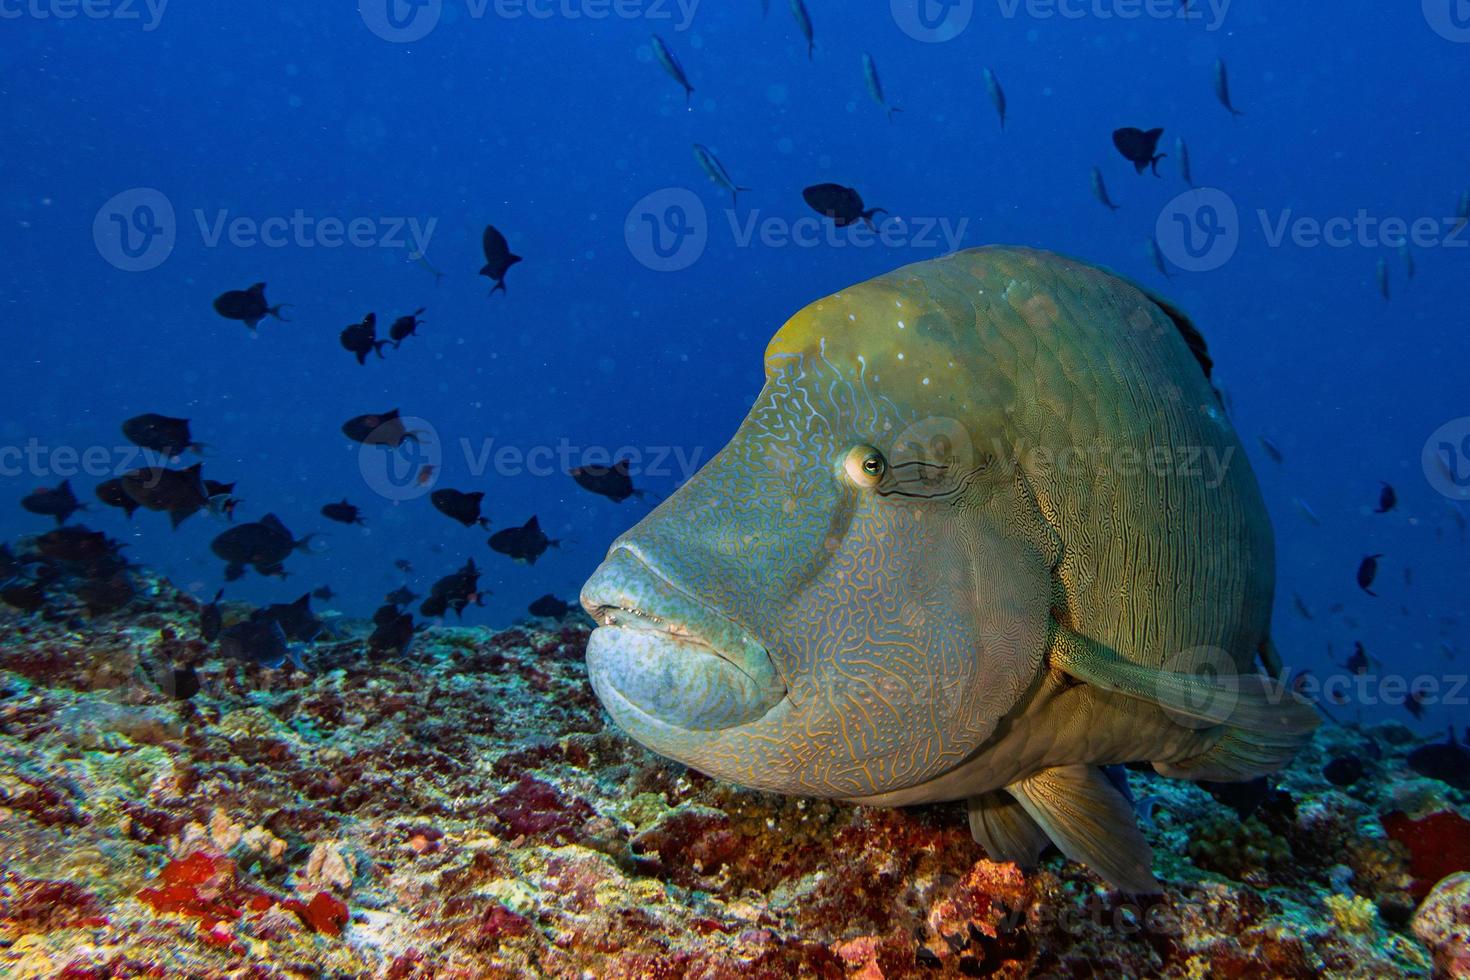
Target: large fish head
<point>847,599</point>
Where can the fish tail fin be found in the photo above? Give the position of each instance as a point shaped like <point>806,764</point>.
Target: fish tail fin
<point>735,196</point>
<point>305,543</point>
<point>379,345</point>
<point>867,216</point>
<point>275,311</point>
<point>499,287</point>
<point>1154,163</point>
<point>484,523</point>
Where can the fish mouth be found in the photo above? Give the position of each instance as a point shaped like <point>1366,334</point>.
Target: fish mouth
<point>661,658</point>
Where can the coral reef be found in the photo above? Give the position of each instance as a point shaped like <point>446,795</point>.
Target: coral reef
<point>466,810</point>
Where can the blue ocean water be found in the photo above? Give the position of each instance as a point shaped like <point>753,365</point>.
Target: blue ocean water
<point>238,130</point>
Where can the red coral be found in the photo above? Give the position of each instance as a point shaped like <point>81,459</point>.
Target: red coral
<point>1439,845</point>
<point>500,921</point>
<point>326,914</point>
<point>688,844</point>
<point>532,808</point>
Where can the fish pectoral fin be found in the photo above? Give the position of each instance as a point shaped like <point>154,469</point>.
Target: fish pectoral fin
<point>1091,823</point>
<point>1250,702</point>
<point>1002,826</point>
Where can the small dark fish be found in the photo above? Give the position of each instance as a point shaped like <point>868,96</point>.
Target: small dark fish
<point>1447,761</point>
<point>1301,606</point>
<point>323,593</point>
<point>405,327</point>
<point>1367,572</point>
<point>455,592</point>
<point>1222,87</point>
<point>997,95</point>
<point>804,23</point>
<point>1343,770</point>
<point>403,566</point>
<point>1462,210</point>
<point>112,494</point>
<point>214,488</point>
<point>1181,151</point>
<point>181,683</point>
<point>549,607</point>
<point>344,513</point>
<point>1139,147</point>
<point>1243,797</point>
<point>393,634</point>
<point>1100,190</point>
<point>56,502</point>
<point>27,598</point>
<point>264,545</point>
<point>361,339</point>
<point>716,171</point>
<point>672,66</point>
<point>1414,704</point>
<point>160,433</point>
<point>524,544</point>
<point>103,596</point>
<point>498,258</point>
<point>1359,662</point>
<point>1387,500</point>
<point>259,641</point>
<point>211,619</point>
<point>1306,510</point>
<point>460,506</point>
<point>612,482</point>
<point>296,619</point>
<point>76,545</point>
<point>1271,449</point>
<point>400,597</point>
<point>1156,255</point>
<point>1381,275</point>
<point>843,205</point>
<point>378,429</point>
<point>875,85</point>
<point>248,306</point>
<point>178,493</point>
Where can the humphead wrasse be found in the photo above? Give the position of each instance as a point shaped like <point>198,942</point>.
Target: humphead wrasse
<point>985,531</point>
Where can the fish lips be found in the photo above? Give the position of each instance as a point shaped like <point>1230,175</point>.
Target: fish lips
<point>662,659</point>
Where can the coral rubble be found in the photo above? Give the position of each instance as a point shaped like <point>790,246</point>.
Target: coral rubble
<point>466,810</point>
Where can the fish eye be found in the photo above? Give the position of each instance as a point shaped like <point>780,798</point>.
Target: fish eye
<point>865,466</point>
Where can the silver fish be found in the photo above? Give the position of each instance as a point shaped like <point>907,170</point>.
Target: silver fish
<point>804,22</point>
<point>717,172</point>
<point>1100,190</point>
<point>1222,87</point>
<point>1181,150</point>
<point>672,66</point>
<point>875,85</point>
<point>1157,255</point>
<point>997,95</point>
<point>1306,510</point>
